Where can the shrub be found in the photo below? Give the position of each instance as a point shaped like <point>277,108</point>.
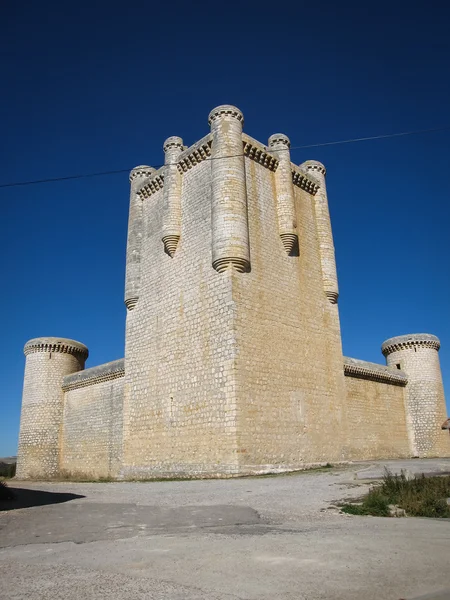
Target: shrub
<point>419,497</point>
<point>7,470</point>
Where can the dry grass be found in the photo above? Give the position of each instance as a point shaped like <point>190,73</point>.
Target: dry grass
<point>419,497</point>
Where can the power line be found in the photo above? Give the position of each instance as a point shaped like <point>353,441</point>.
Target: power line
<point>350,141</point>
<point>85,175</point>
<point>374,137</point>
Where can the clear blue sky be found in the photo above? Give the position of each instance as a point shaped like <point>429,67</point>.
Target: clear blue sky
<point>99,86</point>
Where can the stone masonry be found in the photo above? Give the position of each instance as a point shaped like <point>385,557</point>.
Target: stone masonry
<point>233,358</point>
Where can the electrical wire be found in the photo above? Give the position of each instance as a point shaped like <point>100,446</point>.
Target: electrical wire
<point>335,143</point>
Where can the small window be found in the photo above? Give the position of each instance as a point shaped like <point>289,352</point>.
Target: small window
<point>398,366</point>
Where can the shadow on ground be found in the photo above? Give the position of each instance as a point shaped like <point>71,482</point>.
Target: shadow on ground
<point>24,498</point>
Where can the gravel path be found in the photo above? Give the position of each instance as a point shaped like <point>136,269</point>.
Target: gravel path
<point>252,538</point>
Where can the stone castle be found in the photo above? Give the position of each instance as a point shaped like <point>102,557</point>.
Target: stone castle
<point>233,358</point>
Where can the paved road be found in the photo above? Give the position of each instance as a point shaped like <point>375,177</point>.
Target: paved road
<point>256,538</point>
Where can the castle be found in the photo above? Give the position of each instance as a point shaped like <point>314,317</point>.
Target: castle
<point>233,358</point>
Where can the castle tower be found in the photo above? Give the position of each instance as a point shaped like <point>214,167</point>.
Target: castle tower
<point>48,360</point>
<point>417,355</point>
<point>327,258</point>
<point>139,176</point>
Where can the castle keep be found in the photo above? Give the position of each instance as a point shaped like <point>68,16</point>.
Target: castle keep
<point>233,358</point>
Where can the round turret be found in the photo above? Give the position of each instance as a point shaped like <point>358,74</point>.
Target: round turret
<point>173,143</point>
<point>171,226</point>
<point>314,167</point>
<point>48,360</point>
<point>417,355</point>
<point>324,232</point>
<point>279,141</point>
<point>279,145</point>
<point>230,237</point>
<point>141,172</point>
<point>225,110</point>
<point>139,176</point>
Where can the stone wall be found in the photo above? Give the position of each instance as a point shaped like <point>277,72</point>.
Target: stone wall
<point>179,406</point>
<point>290,382</point>
<point>92,422</point>
<point>375,412</point>
<point>227,371</point>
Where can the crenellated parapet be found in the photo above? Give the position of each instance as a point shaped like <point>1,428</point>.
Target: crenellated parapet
<point>226,111</point>
<point>408,342</point>
<point>153,185</point>
<point>230,237</point>
<point>256,151</point>
<point>304,181</point>
<point>195,154</point>
<point>279,144</point>
<point>171,228</point>
<point>315,168</point>
<point>141,174</point>
<point>52,345</point>
<point>362,369</point>
<point>99,374</point>
<point>324,232</point>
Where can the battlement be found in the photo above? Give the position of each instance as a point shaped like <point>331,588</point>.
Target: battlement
<point>304,180</point>
<point>279,140</point>
<point>173,142</point>
<point>54,344</point>
<point>195,154</point>
<point>403,342</point>
<point>362,369</point>
<point>225,110</point>
<point>94,375</point>
<point>253,149</point>
<point>141,172</point>
<point>314,166</point>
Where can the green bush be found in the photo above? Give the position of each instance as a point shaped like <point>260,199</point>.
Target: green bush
<point>7,470</point>
<point>419,497</point>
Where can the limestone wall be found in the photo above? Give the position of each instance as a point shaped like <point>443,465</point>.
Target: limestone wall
<point>290,381</point>
<point>92,422</point>
<point>375,412</point>
<point>179,406</point>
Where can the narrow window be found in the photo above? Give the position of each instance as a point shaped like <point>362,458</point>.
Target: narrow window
<point>398,366</point>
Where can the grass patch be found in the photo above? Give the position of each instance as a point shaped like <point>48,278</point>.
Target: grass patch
<point>419,497</point>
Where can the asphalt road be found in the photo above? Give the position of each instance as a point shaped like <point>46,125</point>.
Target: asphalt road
<point>253,538</point>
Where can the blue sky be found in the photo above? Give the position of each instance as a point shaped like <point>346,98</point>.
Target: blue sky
<point>91,87</point>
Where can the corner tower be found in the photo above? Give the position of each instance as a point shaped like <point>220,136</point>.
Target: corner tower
<point>48,360</point>
<point>417,355</point>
